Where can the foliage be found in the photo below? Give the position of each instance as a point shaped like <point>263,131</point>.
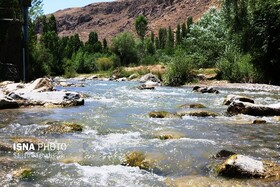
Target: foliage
<point>178,35</point>
<point>124,46</point>
<point>104,64</point>
<point>236,67</point>
<point>207,39</point>
<point>254,27</point>
<point>141,26</point>
<point>162,37</point>
<point>179,70</point>
<point>40,61</point>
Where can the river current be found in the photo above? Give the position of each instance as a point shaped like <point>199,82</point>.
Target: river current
<point>115,122</point>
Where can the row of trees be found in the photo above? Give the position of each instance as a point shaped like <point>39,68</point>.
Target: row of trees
<point>241,39</point>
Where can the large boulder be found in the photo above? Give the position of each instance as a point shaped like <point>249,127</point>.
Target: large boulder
<point>7,102</point>
<point>41,85</point>
<point>238,107</point>
<point>240,166</point>
<point>149,77</point>
<point>230,98</point>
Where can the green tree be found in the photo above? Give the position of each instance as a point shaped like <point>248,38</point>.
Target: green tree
<point>254,28</point>
<point>152,37</point>
<point>184,31</point>
<point>93,45</point>
<point>105,45</point>
<point>141,27</point>
<point>170,41</point>
<point>150,47</point>
<point>162,35</point>
<point>123,45</point>
<point>189,23</point>
<point>178,35</point>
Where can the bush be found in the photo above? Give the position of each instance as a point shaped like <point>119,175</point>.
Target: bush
<point>104,63</point>
<point>236,67</point>
<point>179,71</point>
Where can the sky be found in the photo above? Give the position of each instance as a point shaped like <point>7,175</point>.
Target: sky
<point>51,6</point>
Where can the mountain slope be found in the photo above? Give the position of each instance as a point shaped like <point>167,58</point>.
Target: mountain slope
<point>110,18</point>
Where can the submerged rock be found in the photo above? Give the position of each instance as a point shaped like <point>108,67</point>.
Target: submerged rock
<point>4,147</point>
<point>165,135</point>
<point>63,128</point>
<point>259,121</point>
<point>135,159</point>
<point>224,154</point>
<point>162,114</point>
<point>230,98</point>
<point>23,173</point>
<point>141,160</point>
<point>197,113</point>
<point>238,107</point>
<point>145,87</point>
<point>193,105</point>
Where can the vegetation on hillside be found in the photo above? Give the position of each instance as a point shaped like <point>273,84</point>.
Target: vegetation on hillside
<point>241,40</point>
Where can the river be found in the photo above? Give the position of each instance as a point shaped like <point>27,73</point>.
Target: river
<point>115,122</point>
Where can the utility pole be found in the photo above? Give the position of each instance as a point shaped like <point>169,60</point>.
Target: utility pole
<point>25,4</point>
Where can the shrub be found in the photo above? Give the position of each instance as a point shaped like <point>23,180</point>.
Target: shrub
<point>104,63</point>
<point>179,71</point>
<point>237,67</point>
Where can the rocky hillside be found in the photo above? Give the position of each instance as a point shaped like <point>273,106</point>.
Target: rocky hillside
<point>110,18</point>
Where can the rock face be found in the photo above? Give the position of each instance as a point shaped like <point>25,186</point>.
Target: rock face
<point>238,107</point>
<point>111,18</point>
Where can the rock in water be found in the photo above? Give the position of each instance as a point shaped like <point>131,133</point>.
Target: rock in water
<point>238,107</point>
<point>149,77</point>
<point>224,154</point>
<point>205,90</point>
<point>197,113</point>
<point>64,128</point>
<point>7,102</point>
<point>240,166</point>
<point>230,98</point>
<point>163,114</point>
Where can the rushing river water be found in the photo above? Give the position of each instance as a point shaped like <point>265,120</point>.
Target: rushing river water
<point>115,122</point>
